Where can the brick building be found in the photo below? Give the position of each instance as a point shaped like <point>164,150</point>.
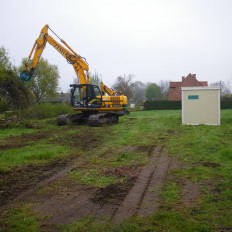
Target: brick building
<point>174,93</point>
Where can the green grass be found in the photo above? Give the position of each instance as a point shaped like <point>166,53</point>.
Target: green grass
<point>119,159</point>
<point>32,154</point>
<point>171,194</point>
<point>87,224</point>
<point>205,154</point>
<point>92,177</point>
<point>161,221</point>
<point>21,219</point>
<point>128,159</point>
<point>16,131</point>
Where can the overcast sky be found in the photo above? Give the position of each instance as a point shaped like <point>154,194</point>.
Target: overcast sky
<point>152,39</point>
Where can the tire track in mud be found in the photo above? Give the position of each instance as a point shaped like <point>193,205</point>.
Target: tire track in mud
<point>54,175</point>
<point>143,197</point>
<point>62,207</point>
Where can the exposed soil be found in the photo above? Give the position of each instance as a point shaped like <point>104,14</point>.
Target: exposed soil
<point>21,141</point>
<point>60,200</point>
<point>117,192</point>
<point>130,172</point>
<point>190,194</point>
<point>143,197</point>
<point>15,182</point>
<point>21,179</point>
<point>75,201</point>
<point>111,193</point>
<point>85,140</point>
<point>211,165</point>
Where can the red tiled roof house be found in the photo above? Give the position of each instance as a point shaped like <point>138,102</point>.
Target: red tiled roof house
<point>174,93</point>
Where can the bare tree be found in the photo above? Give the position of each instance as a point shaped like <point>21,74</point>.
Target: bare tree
<point>138,91</point>
<point>225,88</point>
<point>164,88</point>
<point>95,78</point>
<point>124,85</point>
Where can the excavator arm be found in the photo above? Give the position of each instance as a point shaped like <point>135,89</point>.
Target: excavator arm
<point>80,66</point>
<point>106,89</point>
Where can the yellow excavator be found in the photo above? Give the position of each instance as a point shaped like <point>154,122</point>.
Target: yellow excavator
<point>96,104</point>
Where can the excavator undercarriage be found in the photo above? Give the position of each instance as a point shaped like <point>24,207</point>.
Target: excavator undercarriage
<point>93,119</point>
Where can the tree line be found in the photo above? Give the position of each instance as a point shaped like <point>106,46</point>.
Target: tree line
<point>16,94</point>
<point>44,85</point>
<point>138,91</point>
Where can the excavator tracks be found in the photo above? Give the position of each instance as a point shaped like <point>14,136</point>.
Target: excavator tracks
<point>92,120</point>
<point>101,119</point>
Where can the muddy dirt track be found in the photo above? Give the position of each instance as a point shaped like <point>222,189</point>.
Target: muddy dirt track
<point>58,200</point>
<point>72,201</point>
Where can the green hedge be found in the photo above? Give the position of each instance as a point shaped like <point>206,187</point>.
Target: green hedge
<point>176,105</point>
<point>162,105</point>
<point>226,104</point>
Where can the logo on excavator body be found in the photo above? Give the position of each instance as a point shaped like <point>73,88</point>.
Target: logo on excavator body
<point>59,49</point>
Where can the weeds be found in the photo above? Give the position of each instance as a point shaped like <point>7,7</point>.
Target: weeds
<point>46,110</point>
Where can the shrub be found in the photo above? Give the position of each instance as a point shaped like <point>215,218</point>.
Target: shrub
<point>45,110</point>
<point>3,105</point>
<point>13,91</point>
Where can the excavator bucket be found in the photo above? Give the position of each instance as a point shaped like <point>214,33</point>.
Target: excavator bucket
<point>25,76</point>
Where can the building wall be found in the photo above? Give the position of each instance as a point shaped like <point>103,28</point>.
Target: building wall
<point>189,81</point>
<point>201,106</point>
<point>174,94</point>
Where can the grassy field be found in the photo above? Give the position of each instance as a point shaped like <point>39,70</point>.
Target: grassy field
<point>204,155</point>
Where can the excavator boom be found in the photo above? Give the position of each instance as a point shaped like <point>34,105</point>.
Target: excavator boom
<point>79,65</point>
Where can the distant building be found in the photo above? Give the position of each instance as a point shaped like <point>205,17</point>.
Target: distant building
<point>174,93</point>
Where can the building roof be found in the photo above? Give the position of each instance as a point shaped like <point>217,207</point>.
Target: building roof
<point>175,84</point>
<point>190,76</point>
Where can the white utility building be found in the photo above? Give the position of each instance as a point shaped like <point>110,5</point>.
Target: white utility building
<point>201,105</point>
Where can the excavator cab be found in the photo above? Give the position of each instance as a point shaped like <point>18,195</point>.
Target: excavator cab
<point>85,96</point>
